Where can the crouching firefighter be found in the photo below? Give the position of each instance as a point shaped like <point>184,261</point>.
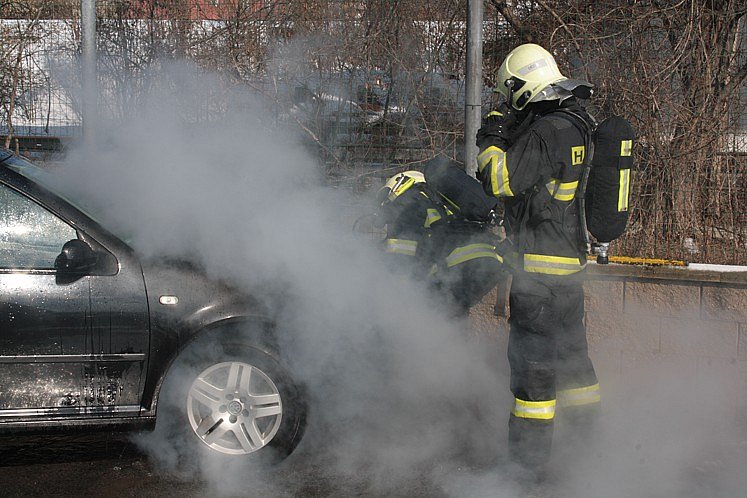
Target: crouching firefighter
<point>532,157</point>
<point>443,240</point>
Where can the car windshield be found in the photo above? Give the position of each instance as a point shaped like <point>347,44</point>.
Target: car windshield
<point>51,182</point>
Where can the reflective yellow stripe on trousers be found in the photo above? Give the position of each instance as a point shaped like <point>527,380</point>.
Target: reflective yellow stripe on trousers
<point>471,251</point>
<point>401,246</point>
<point>552,265</point>
<point>539,410</point>
<point>562,191</point>
<point>579,396</point>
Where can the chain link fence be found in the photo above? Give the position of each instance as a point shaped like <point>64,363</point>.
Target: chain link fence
<point>361,115</point>
<point>376,87</point>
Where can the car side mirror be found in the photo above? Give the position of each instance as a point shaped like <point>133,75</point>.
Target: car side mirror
<point>76,257</point>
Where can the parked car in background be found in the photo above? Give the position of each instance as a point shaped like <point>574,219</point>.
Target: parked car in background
<point>92,336</point>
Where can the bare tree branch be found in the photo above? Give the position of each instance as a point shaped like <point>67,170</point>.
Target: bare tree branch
<point>506,11</point>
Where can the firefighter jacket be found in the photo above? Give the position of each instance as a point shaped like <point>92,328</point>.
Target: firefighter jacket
<point>427,236</point>
<point>537,173</point>
<point>407,220</point>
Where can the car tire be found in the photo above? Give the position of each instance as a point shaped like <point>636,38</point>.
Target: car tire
<point>231,402</point>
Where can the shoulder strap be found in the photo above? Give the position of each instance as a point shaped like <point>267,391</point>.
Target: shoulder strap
<point>435,199</point>
<point>588,133</point>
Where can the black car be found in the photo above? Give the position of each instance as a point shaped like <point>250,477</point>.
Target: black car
<point>92,336</point>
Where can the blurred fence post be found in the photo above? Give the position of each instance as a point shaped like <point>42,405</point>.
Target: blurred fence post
<point>473,84</point>
<point>89,87</point>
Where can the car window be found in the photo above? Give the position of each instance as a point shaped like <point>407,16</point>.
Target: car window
<point>30,236</point>
<point>53,183</point>
<point>45,178</point>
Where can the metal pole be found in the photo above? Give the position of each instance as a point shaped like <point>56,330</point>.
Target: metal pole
<point>89,85</point>
<point>473,84</point>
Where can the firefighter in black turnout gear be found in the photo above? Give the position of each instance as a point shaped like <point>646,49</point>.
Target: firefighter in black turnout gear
<point>531,156</point>
<point>433,238</point>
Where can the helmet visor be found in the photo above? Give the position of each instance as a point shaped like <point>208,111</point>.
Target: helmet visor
<point>564,89</point>
<point>579,88</point>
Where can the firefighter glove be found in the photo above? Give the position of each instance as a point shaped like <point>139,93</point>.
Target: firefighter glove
<point>495,130</point>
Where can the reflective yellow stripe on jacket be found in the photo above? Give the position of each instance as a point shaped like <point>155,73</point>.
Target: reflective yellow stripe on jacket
<point>471,251</point>
<point>579,396</point>
<point>401,246</point>
<point>562,191</point>
<point>538,410</point>
<point>494,158</point>
<point>431,217</point>
<point>552,265</point>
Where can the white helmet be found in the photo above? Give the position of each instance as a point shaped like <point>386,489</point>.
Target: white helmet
<point>529,73</point>
<point>398,185</point>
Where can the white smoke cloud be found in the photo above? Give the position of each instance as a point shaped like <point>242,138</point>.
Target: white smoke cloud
<point>401,401</point>
<point>394,385</point>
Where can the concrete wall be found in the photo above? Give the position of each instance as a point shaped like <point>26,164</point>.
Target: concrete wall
<point>645,322</point>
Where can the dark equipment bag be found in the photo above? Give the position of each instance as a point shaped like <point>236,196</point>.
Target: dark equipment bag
<point>607,192</point>
<point>459,190</point>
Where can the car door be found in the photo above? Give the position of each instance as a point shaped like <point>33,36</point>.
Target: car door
<point>68,345</point>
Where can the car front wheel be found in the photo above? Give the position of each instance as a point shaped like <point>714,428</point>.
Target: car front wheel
<point>234,401</point>
<point>234,407</point>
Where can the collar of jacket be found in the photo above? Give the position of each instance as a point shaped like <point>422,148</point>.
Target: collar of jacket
<point>570,107</point>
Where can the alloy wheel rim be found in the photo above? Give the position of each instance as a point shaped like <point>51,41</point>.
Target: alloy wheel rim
<point>234,408</point>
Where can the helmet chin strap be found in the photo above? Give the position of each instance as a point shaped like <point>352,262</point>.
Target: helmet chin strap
<point>510,86</point>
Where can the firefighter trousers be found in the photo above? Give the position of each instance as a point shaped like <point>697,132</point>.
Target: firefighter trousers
<point>550,364</point>
<point>466,283</point>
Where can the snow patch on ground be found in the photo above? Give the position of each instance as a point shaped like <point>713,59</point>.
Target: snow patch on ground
<point>719,268</point>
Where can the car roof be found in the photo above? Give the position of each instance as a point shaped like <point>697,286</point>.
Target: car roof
<point>4,154</point>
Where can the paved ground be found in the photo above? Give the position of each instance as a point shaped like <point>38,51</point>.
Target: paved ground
<point>110,465</point>
<point>99,465</point>
<point>106,465</point>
